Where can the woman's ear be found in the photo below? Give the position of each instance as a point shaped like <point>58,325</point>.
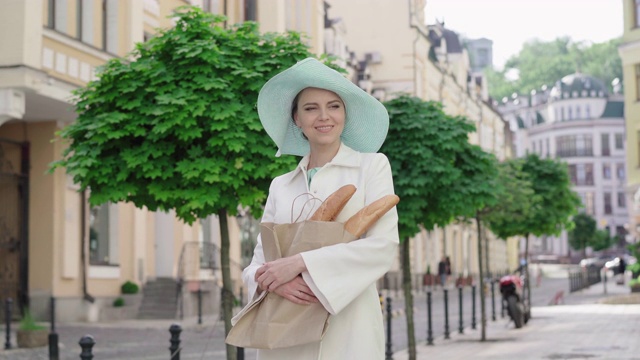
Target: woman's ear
<point>295,119</point>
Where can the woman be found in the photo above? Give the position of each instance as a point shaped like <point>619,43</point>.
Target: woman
<point>311,110</point>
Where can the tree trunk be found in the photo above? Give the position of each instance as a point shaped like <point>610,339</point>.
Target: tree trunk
<point>526,269</point>
<point>486,253</point>
<point>483,312</point>
<point>227,288</point>
<point>408,298</point>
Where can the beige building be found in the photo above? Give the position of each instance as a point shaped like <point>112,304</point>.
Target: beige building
<point>404,55</point>
<point>52,243</point>
<point>630,55</point>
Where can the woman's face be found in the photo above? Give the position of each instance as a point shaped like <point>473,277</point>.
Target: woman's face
<point>320,115</point>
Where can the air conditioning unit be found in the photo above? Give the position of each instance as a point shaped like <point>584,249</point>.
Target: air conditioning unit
<point>373,57</point>
<point>12,105</point>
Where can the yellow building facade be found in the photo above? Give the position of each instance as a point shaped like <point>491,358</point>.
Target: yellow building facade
<point>52,243</point>
<point>630,55</point>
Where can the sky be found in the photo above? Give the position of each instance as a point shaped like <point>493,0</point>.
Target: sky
<point>510,23</point>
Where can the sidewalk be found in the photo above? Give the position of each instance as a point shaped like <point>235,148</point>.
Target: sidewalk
<point>589,324</point>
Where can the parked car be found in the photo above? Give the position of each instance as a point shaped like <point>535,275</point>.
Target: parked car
<point>594,262</point>
<point>614,265</point>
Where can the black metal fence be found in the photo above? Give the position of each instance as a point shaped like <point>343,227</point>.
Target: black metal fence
<point>583,278</point>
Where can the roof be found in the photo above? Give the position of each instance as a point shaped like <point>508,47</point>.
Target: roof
<point>438,32</point>
<point>613,109</point>
<point>581,84</point>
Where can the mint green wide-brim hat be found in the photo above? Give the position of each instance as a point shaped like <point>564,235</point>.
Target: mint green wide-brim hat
<point>366,121</point>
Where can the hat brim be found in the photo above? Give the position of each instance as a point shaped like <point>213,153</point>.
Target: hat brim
<point>366,120</point>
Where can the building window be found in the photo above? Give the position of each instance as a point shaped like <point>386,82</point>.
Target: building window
<point>604,144</point>
<point>587,111</point>
<point>619,141</point>
<point>620,171</point>
<point>622,202</point>
<point>569,114</point>
<point>574,145</point>
<point>561,114</point>
<point>548,151</point>
<point>103,247</point>
<point>79,19</point>
<point>51,14</point>
<point>637,13</point>
<point>581,174</point>
<point>250,11</point>
<point>533,147</point>
<point>606,171</point>
<point>588,203</point>
<point>578,112</point>
<point>607,203</point>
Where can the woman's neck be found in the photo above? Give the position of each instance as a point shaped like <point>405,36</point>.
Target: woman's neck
<point>320,155</point>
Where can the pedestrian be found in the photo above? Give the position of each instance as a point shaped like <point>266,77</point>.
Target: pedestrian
<point>448,268</point>
<point>622,266</point>
<point>442,271</point>
<point>310,110</point>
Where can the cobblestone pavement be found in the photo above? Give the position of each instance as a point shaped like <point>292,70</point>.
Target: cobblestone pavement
<point>582,327</point>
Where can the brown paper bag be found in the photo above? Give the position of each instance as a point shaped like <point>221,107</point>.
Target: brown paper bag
<point>270,321</point>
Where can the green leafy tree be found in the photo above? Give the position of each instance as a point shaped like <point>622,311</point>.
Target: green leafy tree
<point>583,233</point>
<point>602,240</point>
<point>555,201</point>
<point>545,62</point>
<point>507,218</point>
<point>175,126</point>
<point>480,190</point>
<point>432,164</point>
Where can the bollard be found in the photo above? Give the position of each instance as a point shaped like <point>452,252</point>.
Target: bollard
<point>54,353</point>
<point>493,300</point>
<point>446,313</point>
<point>174,349</point>
<point>7,319</point>
<point>605,280</point>
<point>473,307</point>
<point>388,353</point>
<point>86,343</point>
<point>240,353</point>
<point>429,327</point>
<point>199,305</point>
<point>460,330</point>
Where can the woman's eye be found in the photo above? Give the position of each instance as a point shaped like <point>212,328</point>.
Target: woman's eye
<point>311,108</point>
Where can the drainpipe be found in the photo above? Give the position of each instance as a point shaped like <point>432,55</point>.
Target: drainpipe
<point>84,245</point>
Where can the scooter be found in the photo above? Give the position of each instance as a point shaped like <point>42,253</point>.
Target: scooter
<point>512,290</point>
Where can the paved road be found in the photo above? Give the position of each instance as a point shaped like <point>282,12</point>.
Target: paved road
<point>135,340</point>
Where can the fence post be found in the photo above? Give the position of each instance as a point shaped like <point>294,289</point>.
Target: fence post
<point>493,300</point>
<point>174,349</point>
<point>7,319</point>
<point>86,343</point>
<point>460,330</point>
<point>388,353</point>
<point>200,304</point>
<point>473,307</point>
<point>446,313</point>
<point>429,326</point>
<point>54,354</point>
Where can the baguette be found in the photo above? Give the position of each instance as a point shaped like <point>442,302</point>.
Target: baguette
<point>359,223</point>
<point>332,206</point>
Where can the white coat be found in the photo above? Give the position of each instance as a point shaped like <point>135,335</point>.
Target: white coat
<point>343,276</point>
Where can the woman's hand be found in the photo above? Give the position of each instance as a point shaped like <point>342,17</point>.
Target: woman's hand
<point>273,274</point>
<point>297,291</point>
